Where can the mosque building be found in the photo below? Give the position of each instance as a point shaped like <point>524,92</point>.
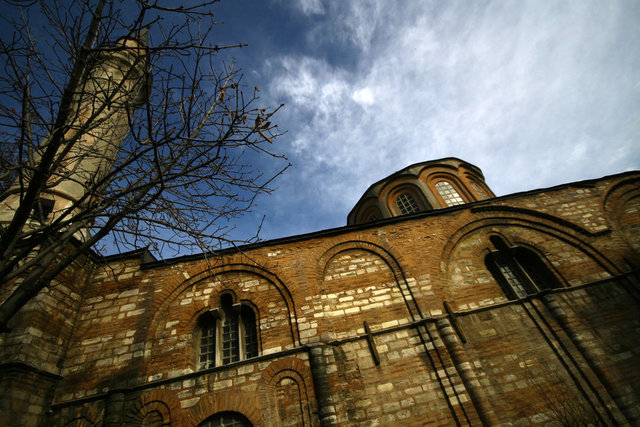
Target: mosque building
<point>437,304</point>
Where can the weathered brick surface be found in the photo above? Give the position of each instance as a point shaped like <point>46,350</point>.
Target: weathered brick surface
<point>128,352</point>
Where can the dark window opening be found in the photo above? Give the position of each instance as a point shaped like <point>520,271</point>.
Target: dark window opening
<point>250,332</point>
<point>228,336</point>
<point>207,357</point>
<point>42,209</point>
<point>519,271</point>
<point>226,419</point>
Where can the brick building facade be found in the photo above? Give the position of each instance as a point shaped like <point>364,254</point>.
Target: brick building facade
<point>438,304</point>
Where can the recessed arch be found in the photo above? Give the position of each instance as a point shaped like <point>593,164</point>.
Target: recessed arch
<point>211,273</point>
<point>458,274</point>
<point>390,260</point>
<point>368,211</point>
<point>83,416</point>
<point>249,405</point>
<point>546,225</point>
<point>226,419</point>
<point>298,370</point>
<point>406,198</point>
<point>149,411</point>
<point>452,187</point>
<point>175,322</point>
<point>292,380</point>
<point>80,421</point>
<point>622,211</point>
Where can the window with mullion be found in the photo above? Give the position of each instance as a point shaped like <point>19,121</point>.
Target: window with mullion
<point>519,271</point>
<point>449,193</point>
<point>230,339</point>
<point>407,204</point>
<point>250,332</point>
<point>208,345</point>
<point>227,334</point>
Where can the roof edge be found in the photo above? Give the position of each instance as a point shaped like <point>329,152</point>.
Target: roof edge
<point>386,221</point>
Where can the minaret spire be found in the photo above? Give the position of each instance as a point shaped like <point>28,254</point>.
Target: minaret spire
<point>115,84</point>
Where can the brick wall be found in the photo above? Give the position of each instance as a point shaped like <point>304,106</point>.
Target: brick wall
<point>133,348</point>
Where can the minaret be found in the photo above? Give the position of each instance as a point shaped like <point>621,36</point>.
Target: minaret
<point>116,83</point>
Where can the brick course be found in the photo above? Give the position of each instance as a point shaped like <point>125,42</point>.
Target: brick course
<point>117,342</point>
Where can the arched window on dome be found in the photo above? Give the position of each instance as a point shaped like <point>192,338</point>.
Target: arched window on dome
<point>407,203</point>
<point>369,213</point>
<point>448,193</point>
<point>226,419</point>
<point>227,334</point>
<point>519,271</point>
<point>479,190</point>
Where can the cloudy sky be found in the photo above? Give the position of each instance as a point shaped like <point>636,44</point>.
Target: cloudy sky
<point>536,93</point>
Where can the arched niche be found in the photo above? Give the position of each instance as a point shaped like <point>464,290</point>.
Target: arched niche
<point>629,223</point>
<point>467,281</point>
<point>175,323</point>
<point>149,411</point>
<point>80,421</point>
<point>435,178</point>
<point>359,282</point>
<point>368,211</point>
<point>247,405</point>
<point>406,198</point>
<point>622,208</point>
<point>287,391</point>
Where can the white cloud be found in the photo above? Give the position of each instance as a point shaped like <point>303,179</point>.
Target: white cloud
<point>534,93</point>
<point>363,96</point>
<point>310,7</point>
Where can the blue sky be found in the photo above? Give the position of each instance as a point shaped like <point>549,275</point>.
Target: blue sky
<point>535,93</point>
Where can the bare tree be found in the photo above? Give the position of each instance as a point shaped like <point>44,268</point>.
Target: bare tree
<point>149,141</point>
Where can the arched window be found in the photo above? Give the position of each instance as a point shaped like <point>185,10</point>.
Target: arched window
<point>226,419</point>
<point>479,190</point>
<point>449,193</point>
<point>227,334</point>
<point>207,328</point>
<point>406,203</point>
<point>153,418</point>
<point>369,213</point>
<point>519,271</point>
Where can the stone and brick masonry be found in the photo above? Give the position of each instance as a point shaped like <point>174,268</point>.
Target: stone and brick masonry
<point>352,325</point>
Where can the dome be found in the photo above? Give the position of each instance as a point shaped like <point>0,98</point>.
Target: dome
<point>434,184</point>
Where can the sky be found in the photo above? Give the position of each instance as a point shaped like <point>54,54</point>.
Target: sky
<point>535,93</point>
